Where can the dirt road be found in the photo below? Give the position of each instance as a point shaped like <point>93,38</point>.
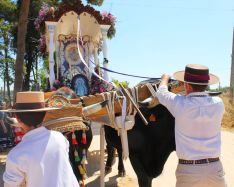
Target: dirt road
<point>167,179</point>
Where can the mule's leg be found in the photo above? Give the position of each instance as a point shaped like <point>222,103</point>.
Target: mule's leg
<point>143,179</point>
<point>110,158</point>
<point>121,168</point>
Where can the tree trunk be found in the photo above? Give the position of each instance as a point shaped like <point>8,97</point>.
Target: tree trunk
<point>4,88</point>
<point>7,76</point>
<point>6,68</point>
<point>36,80</point>
<point>29,68</point>
<point>21,33</point>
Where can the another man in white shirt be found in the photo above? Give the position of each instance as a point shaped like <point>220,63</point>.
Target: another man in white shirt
<point>197,127</point>
<point>41,158</point>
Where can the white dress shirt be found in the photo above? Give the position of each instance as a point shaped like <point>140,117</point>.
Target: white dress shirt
<point>197,123</point>
<point>40,160</point>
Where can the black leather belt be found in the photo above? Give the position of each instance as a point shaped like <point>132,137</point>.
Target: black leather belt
<point>201,161</point>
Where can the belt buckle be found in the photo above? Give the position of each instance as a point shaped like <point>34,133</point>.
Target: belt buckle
<point>207,161</point>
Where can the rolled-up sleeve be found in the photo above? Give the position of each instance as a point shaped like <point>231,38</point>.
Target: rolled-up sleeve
<point>13,176</point>
<point>166,98</point>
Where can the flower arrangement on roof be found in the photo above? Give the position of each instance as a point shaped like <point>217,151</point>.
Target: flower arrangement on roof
<point>40,26</point>
<point>111,32</point>
<point>41,16</point>
<point>95,2</point>
<point>47,13</point>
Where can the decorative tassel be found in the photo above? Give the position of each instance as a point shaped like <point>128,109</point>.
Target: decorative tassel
<point>82,171</point>
<point>74,142</point>
<point>84,138</point>
<point>77,158</point>
<point>84,159</point>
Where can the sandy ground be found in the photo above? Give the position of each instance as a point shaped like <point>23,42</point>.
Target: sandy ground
<point>167,178</point>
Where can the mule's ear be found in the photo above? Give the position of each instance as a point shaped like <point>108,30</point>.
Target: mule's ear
<point>150,102</point>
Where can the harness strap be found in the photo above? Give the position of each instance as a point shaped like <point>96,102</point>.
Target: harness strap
<point>151,89</point>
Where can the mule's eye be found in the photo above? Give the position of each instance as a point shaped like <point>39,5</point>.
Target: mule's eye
<point>152,118</point>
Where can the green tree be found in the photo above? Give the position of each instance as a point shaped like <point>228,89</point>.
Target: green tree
<point>6,61</point>
<point>7,18</point>
<point>33,59</point>
<point>8,10</point>
<point>21,33</point>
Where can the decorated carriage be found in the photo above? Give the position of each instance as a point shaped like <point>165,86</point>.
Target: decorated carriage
<point>73,35</point>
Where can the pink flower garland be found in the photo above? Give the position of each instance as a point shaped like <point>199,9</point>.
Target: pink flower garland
<point>109,16</point>
<point>41,16</point>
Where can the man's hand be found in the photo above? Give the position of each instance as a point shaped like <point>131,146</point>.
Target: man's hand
<point>165,79</point>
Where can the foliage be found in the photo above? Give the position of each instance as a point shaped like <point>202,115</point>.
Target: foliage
<point>11,70</point>
<point>8,10</point>
<point>228,116</point>
<point>227,121</point>
<point>95,2</point>
<point>125,84</point>
<point>111,32</point>
<point>7,61</point>
<point>43,78</point>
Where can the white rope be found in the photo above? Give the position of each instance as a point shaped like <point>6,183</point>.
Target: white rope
<point>135,98</point>
<point>81,57</point>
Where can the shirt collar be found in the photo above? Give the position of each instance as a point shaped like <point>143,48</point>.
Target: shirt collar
<point>194,94</point>
<point>33,132</point>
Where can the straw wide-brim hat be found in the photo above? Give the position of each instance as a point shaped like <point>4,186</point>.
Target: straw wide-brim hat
<point>30,102</point>
<point>196,74</point>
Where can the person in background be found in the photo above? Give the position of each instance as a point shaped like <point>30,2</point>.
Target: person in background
<point>197,127</point>
<point>41,158</point>
<point>6,131</point>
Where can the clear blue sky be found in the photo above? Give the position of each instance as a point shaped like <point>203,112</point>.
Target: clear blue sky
<point>162,36</point>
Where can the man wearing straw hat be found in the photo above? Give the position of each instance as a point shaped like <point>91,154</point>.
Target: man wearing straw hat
<point>197,127</point>
<point>41,158</point>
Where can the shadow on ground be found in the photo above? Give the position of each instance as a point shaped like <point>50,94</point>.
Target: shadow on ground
<point>93,171</point>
